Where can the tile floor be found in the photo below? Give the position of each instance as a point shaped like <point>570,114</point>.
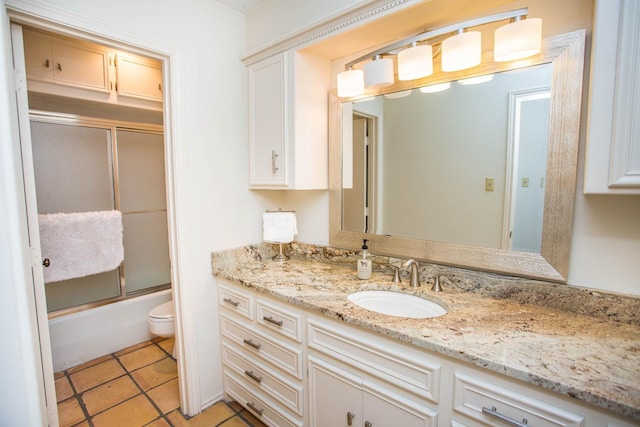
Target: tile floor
<point>135,387</point>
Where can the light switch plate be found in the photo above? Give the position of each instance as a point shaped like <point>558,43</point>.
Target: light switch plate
<point>489,184</point>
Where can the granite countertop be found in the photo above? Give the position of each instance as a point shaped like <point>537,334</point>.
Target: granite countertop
<point>592,359</point>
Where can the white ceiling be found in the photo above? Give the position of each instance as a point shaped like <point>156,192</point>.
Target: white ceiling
<point>241,5</point>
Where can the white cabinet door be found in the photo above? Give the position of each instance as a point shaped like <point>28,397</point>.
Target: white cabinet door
<point>335,396</point>
<point>613,139</point>
<point>80,65</point>
<point>268,122</point>
<point>138,77</point>
<point>382,409</point>
<point>37,56</point>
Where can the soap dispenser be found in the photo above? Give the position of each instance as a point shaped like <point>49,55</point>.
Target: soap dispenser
<point>364,262</point>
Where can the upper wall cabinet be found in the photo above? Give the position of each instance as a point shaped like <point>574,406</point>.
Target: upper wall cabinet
<point>288,142</point>
<point>76,69</point>
<point>613,139</point>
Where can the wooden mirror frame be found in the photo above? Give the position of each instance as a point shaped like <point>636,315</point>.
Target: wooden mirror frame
<point>566,53</point>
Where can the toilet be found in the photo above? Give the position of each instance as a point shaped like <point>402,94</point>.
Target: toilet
<point>161,322</point>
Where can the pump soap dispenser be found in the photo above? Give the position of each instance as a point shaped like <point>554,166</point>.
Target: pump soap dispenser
<point>364,262</point>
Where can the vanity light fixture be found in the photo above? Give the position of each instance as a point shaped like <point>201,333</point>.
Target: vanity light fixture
<point>518,39</point>
<point>378,73</point>
<point>350,83</point>
<point>415,62</point>
<point>462,50</point>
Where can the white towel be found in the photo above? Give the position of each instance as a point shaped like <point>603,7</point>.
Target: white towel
<point>80,244</point>
<point>279,227</point>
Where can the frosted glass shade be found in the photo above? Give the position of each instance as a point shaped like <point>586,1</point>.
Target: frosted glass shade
<point>378,73</point>
<point>350,83</point>
<point>415,62</point>
<point>518,40</point>
<point>461,51</point>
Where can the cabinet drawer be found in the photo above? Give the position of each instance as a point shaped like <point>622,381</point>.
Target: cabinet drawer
<point>267,411</point>
<point>279,354</point>
<point>486,402</point>
<point>237,302</point>
<point>263,378</point>
<point>279,320</point>
<point>401,366</point>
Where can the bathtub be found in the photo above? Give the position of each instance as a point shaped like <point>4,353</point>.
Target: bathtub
<point>93,333</point>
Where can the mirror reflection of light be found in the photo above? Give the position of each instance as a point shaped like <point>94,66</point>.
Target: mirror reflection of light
<point>435,88</point>
<point>400,94</point>
<point>476,80</point>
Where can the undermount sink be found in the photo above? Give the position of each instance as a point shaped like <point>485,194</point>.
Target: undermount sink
<point>397,304</point>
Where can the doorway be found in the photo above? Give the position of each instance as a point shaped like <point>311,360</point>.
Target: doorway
<point>38,281</point>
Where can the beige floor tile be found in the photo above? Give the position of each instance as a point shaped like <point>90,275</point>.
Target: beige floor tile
<point>167,345</point>
<point>234,422</point>
<point>158,423</point>
<point>132,348</point>
<point>89,363</point>
<point>166,396</point>
<point>135,412</point>
<point>155,374</point>
<point>69,412</point>
<point>211,416</point>
<point>141,357</point>
<point>63,389</point>
<point>96,375</point>
<point>58,375</point>
<point>109,394</point>
<point>83,424</point>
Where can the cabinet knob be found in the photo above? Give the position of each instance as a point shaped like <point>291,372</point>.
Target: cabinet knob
<point>59,67</point>
<point>368,424</point>
<point>46,262</point>
<point>46,63</point>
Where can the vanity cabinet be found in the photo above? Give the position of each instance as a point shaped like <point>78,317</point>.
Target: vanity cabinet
<point>262,356</point>
<point>288,137</point>
<point>292,367</point>
<point>77,69</point>
<point>613,137</point>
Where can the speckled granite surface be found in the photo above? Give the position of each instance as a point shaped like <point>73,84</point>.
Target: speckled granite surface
<point>536,332</point>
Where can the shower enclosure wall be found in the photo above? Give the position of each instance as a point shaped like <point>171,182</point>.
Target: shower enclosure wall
<point>85,164</point>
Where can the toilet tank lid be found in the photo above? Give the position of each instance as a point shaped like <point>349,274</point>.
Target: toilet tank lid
<point>163,311</point>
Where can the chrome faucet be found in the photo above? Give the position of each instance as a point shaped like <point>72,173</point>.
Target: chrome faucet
<point>415,279</point>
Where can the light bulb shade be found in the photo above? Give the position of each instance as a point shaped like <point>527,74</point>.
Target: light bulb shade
<point>350,83</point>
<point>378,73</point>
<point>518,40</point>
<point>415,62</point>
<point>461,51</point>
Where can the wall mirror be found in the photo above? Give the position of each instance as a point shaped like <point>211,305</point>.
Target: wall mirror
<point>479,176</point>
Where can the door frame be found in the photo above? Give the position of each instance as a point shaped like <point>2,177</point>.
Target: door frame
<point>56,20</point>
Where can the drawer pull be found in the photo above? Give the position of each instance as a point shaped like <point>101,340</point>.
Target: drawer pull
<point>252,344</point>
<point>350,417</point>
<point>253,376</point>
<point>252,406</point>
<point>494,413</point>
<point>232,302</point>
<point>272,320</point>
